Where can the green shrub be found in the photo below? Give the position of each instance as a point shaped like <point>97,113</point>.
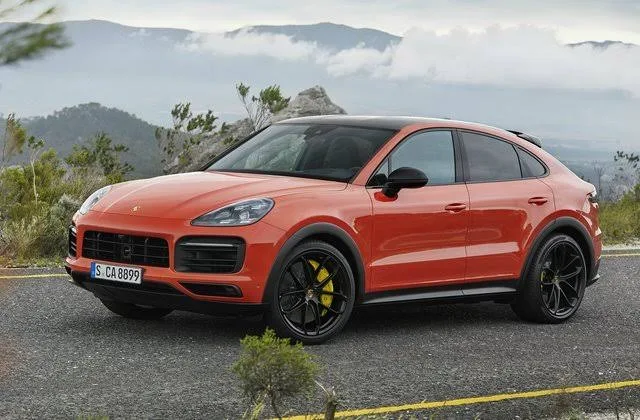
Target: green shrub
<point>271,370</point>
<point>42,234</point>
<point>620,221</point>
<point>16,185</point>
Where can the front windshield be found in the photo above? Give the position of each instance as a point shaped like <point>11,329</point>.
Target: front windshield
<point>322,151</point>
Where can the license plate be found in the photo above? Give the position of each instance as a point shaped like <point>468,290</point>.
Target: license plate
<point>132,275</point>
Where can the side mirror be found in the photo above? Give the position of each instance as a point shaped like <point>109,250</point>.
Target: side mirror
<point>404,178</point>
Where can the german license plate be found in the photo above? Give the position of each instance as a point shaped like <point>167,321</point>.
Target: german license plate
<point>132,275</point>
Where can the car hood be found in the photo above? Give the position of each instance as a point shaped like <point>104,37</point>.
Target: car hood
<point>189,195</point>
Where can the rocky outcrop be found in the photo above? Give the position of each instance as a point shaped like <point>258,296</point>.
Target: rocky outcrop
<point>313,101</point>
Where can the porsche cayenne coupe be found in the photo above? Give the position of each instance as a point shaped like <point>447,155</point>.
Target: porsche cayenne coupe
<point>313,217</point>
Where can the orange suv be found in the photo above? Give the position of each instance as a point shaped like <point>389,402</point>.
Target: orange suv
<point>311,217</point>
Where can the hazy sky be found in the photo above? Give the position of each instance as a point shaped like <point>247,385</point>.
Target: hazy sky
<point>573,20</point>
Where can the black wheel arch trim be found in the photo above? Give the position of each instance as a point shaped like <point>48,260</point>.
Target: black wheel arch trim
<point>311,231</point>
<point>555,225</point>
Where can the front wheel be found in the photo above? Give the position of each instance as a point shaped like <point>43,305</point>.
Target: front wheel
<point>553,287</point>
<point>315,294</point>
<point>129,310</point>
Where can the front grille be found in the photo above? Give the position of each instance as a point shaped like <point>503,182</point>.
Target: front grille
<point>209,255</point>
<point>73,240</point>
<point>128,249</point>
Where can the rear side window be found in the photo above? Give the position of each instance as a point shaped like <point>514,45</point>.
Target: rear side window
<point>531,166</point>
<point>490,159</point>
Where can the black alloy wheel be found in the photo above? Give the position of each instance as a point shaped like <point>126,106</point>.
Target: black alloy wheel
<point>315,294</point>
<point>553,288</point>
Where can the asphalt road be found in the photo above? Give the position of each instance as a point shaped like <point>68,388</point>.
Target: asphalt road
<point>63,355</point>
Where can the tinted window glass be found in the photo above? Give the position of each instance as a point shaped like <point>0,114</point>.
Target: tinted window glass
<point>531,167</point>
<point>307,150</point>
<point>490,159</point>
<point>430,151</point>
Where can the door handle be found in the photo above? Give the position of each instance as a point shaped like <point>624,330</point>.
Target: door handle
<point>455,207</point>
<point>538,201</point>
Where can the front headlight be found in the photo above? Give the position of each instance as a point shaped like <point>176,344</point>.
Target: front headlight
<point>93,199</point>
<point>239,214</point>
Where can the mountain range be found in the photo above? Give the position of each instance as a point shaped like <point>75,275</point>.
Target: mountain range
<point>145,71</point>
<point>328,35</point>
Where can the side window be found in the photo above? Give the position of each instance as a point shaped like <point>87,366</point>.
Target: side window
<point>490,159</point>
<point>430,151</point>
<point>531,166</point>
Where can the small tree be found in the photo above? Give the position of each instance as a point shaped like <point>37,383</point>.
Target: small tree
<point>35,147</point>
<point>29,40</point>
<point>13,140</point>
<point>188,131</point>
<point>261,108</point>
<point>101,153</point>
<point>271,370</point>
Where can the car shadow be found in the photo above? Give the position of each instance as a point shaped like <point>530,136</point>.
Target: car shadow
<point>179,326</point>
<point>420,316</point>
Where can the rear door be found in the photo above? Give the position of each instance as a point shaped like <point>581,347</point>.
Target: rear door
<point>507,203</point>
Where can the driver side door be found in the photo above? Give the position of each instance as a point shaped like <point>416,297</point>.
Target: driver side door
<point>419,237</point>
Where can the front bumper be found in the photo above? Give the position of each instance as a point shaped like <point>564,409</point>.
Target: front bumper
<point>161,297</point>
<point>262,244</point>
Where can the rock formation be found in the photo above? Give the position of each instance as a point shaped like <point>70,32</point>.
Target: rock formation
<point>313,101</point>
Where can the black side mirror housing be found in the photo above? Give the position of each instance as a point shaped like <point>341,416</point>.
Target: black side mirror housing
<point>404,178</point>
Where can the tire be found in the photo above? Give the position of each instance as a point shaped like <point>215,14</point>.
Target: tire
<point>552,289</point>
<point>314,296</point>
<point>129,310</point>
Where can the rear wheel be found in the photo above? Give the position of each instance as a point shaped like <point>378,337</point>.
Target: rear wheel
<point>315,293</point>
<point>129,310</point>
<point>553,287</point>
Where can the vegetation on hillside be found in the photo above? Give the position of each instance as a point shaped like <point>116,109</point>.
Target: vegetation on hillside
<point>262,107</point>
<point>620,220</point>
<point>188,131</point>
<point>39,197</point>
<point>74,126</point>
<point>180,143</point>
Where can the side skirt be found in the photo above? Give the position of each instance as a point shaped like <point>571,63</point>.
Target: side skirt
<point>499,291</point>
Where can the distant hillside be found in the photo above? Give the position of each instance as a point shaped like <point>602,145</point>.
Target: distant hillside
<point>602,44</point>
<point>78,124</point>
<point>330,35</point>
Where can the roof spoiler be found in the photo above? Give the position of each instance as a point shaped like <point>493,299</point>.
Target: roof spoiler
<point>528,137</point>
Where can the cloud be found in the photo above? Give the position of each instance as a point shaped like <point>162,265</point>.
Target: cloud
<point>516,57</point>
<point>248,43</point>
<point>357,60</point>
<point>521,57</point>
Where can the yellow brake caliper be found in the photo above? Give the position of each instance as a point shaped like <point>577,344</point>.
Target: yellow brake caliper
<point>326,300</point>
